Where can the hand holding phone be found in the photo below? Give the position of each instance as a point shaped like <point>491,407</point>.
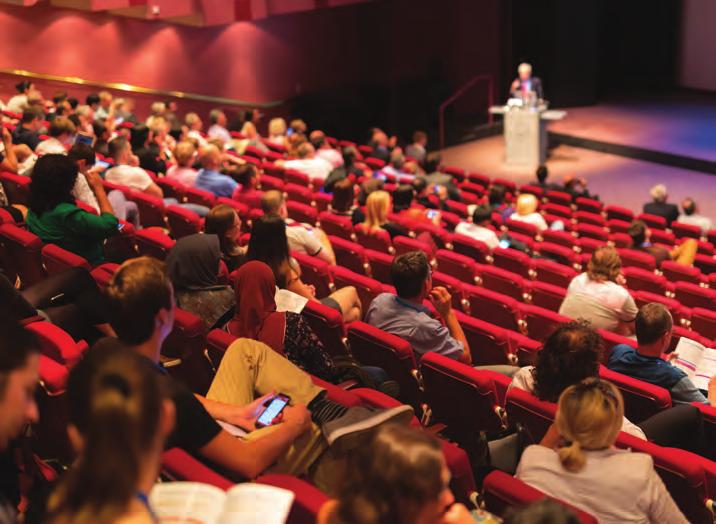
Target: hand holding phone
<point>273,408</point>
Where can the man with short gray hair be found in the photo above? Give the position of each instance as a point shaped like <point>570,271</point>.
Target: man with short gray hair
<point>659,206</point>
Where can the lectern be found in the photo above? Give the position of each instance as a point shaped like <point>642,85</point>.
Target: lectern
<point>526,133</point>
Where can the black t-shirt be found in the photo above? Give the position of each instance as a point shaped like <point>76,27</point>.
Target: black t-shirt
<point>194,428</point>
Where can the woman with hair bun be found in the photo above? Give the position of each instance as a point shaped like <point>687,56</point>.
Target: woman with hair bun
<point>578,463</point>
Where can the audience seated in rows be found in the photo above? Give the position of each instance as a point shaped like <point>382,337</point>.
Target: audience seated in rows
<point>115,401</point>
<point>250,373</point>
<point>654,326</point>
<point>684,253</point>
<point>127,171</point>
<point>193,268</point>
<point>571,354</point>
<point>324,150</point>
<point>28,131</point>
<point>56,219</point>
<point>599,296</point>
<point>578,463</point>
<point>343,198</point>
<point>194,127</point>
<point>478,229</point>
<point>62,133</point>
<point>269,244</point>
<point>526,211</point>
<point>316,167</point>
<point>691,216</point>
<point>302,238</point>
<point>405,315</point>
<point>400,477</point>
<point>659,206</point>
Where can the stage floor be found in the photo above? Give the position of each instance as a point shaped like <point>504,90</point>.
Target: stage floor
<point>679,128</point>
<point>683,125</point>
<point>618,180</point>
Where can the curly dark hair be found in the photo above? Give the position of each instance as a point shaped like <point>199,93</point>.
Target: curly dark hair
<point>53,178</point>
<point>570,354</point>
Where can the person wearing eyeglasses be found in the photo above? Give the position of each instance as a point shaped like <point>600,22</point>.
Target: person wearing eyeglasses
<point>578,463</point>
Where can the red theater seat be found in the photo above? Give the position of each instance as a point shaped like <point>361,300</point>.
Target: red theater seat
<point>336,225</point>
<point>366,287</point>
<point>316,272</point>
<point>55,259</point>
<point>350,255</point>
<point>151,209</point>
<point>505,282</point>
<point>540,322</point>
<point>21,254</point>
<point>328,326</point>
<point>469,247</point>
<point>512,260</point>
<point>303,213</point>
<point>546,295</point>
<point>641,399</point>
<point>153,243</point>
<point>495,308</point>
<point>182,222</point>
<point>378,240</point>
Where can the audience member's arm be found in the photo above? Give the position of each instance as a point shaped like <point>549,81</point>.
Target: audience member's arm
<point>95,183</point>
<point>241,416</point>
<point>685,391</point>
<point>298,286</point>
<point>154,190</point>
<point>441,299</point>
<point>326,254</point>
<point>249,458</point>
<point>10,161</point>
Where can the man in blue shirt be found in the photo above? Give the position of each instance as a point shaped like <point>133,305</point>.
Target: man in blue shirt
<point>209,177</point>
<point>653,334</point>
<point>405,315</point>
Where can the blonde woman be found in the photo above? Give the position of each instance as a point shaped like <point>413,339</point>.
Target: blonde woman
<point>185,155</point>
<point>377,208</point>
<point>526,211</point>
<point>277,131</point>
<point>578,463</point>
<point>598,295</point>
<point>251,138</point>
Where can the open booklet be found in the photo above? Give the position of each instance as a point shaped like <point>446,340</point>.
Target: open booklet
<point>289,301</point>
<point>197,503</point>
<point>697,361</point>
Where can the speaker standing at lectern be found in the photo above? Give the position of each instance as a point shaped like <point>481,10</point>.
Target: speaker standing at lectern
<point>525,84</point>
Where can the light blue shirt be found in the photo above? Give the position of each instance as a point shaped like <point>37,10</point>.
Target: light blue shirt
<point>412,323</point>
<point>215,182</point>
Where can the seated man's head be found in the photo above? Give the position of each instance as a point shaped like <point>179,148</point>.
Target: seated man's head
<point>120,150</point>
<point>658,193</point>
<point>432,162</point>
<point>639,233</point>
<point>62,129</point>
<point>349,156</point>
<point>403,197</point>
<point>217,117</point>
<point>379,138</point>
<point>420,138</point>
<point>653,326</point>
<point>689,206</point>
<point>193,122</point>
<point>273,203</point>
<point>420,186</point>
<point>105,99</point>
<point>343,195</point>
<point>210,158</point>
<point>140,135</point>
<point>32,119</point>
<point>92,100</point>
<point>496,196</point>
<point>305,151</point>
<point>185,153</point>
<point>141,302</point>
<point>82,155</point>
<point>542,174</point>
<point>158,108</point>
<point>397,159</point>
<point>298,126</point>
<point>317,138</point>
<point>412,276</point>
<point>482,216</point>
<point>19,374</point>
<point>570,354</point>
<point>605,265</point>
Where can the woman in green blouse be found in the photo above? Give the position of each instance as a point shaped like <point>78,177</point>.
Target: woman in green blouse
<point>56,219</point>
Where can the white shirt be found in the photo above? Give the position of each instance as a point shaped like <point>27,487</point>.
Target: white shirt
<point>130,176</point>
<point>83,192</point>
<point>302,239</point>
<point>196,135</point>
<point>331,156</point>
<point>17,104</point>
<point>316,168</point>
<point>184,175</point>
<point>616,486</point>
<point>525,381</point>
<point>696,220</point>
<point>533,218</point>
<point>604,304</point>
<point>51,146</point>
<point>480,233</point>
<point>220,132</point>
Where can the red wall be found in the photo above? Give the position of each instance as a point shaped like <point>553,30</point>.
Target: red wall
<point>277,58</point>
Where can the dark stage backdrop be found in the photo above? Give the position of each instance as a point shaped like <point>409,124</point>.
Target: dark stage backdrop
<point>592,49</point>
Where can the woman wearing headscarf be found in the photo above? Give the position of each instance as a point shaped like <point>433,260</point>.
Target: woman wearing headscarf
<point>286,333</point>
<point>193,267</point>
